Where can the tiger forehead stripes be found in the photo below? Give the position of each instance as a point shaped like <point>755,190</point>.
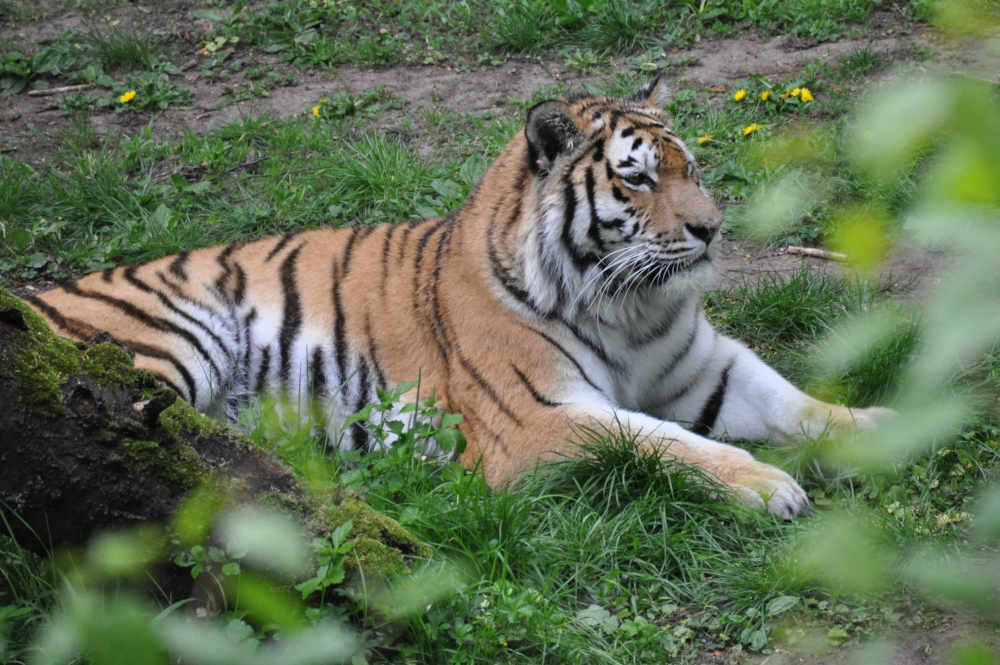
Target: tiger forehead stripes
<point>567,290</point>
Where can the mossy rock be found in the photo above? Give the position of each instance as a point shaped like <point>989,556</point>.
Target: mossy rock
<point>137,450</point>
<point>383,544</point>
<point>45,362</point>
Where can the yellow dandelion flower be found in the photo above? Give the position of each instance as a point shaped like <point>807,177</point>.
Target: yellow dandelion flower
<point>766,95</point>
<point>786,94</point>
<point>796,92</point>
<point>806,95</point>
<point>739,94</point>
<point>750,129</point>
<point>316,111</point>
<point>702,140</point>
<point>127,97</point>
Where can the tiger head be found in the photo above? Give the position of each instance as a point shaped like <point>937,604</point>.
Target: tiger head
<point>621,206</point>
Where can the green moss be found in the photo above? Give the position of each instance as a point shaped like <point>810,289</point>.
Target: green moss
<point>34,321</point>
<point>377,559</point>
<point>44,361</point>
<point>111,365</point>
<point>179,465</point>
<point>383,545</point>
<point>181,417</point>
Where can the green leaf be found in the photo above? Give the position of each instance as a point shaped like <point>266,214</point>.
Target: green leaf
<point>340,533</point>
<point>361,416</point>
<point>37,260</point>
<point>472,169</point>
<point>45,61</point>
<point>449,189</point>
<point>450,439</point>
<point>19,239</point>
<point>837,635</point>
<point>270,540</point>
<point>426,211</point>
<point>213,15</point>
<point>781,604</point>
<point>200,187</point>
<point>598,617</point>
<point>306,38</point>
<point>451,419</point>
<point>160,219</point>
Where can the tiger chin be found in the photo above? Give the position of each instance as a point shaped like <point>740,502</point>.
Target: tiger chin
<point>566,291</point>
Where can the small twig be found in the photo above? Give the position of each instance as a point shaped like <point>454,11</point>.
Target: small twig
<point>47,92</point>
<point>248,164</point>
<point>818,252</point>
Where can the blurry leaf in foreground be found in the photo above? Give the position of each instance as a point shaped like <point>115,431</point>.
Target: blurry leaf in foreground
<point>126,553</point>
<point>107,631</point>
<point>968,16</point>
<point>326,642</point>
<point>204,643</point>
<point>265,601</point>
<point>974,653</point>
<point>58,641</point>
<point>986,528</point>
<point>914,430</point>
<point>948,578</point>
<point>966,173</point>
<point>832,551</point>
<point>862,233</point>
<point>201,643</point>
<point>962,322</point>
<point>780,205</point>
<point>412,594</point>
<point>193,521</point>
<point>267,539</point>
<point>898,122</point>
<point>852,340</point>
<point>800,144</point>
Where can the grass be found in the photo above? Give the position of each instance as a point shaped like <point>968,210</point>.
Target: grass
<point>27,592</point>
<point>423,31</point>
<point>617,558</point>
<point>88,208</point>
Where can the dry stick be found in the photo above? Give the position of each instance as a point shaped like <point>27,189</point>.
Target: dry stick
<point>46,92</point>
<point>817,252</point>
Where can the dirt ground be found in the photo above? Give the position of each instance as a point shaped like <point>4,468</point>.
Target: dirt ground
<point>31,128</point>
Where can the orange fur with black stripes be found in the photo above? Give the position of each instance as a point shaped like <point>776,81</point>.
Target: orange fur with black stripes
<point>566,290</point>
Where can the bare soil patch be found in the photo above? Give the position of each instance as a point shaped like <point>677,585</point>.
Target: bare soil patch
<point>33,128</point>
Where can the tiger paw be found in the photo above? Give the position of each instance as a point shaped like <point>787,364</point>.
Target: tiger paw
<point>759,485</point>
<point>865,420</point>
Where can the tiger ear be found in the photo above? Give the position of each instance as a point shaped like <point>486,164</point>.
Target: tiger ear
<point>550,132</point>
<point>655,93</point>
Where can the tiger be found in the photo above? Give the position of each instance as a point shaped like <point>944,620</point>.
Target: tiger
<point>566,292</point>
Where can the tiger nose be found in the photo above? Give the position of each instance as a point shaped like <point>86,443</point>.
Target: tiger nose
<point>703,231</point>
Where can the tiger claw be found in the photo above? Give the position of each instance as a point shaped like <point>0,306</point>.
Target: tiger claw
<point>763,486</point>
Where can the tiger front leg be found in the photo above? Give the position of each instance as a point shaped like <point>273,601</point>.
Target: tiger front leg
<point>754,483</point>
<point>757,403</point>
